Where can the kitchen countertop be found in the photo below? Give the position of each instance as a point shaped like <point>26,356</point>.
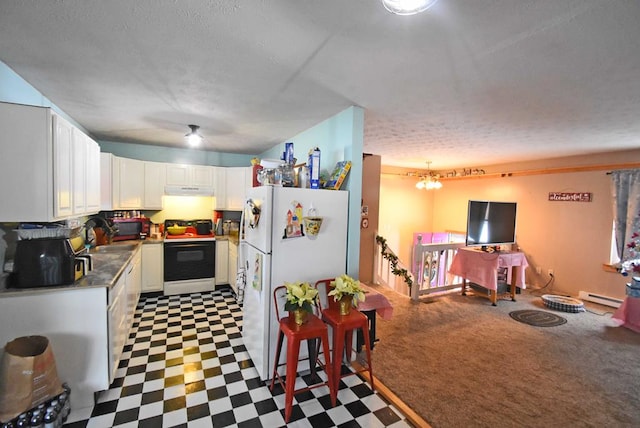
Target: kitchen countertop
<point>108,266</point>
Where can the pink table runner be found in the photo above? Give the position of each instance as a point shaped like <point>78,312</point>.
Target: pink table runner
<point>482,268</point>
<point>374,300</point>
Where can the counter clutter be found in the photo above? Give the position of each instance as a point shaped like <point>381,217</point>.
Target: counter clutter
<point>109,261</point>
<point>87,322</point>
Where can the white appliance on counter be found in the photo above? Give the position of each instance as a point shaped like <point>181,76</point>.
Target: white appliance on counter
<point>277,248</point>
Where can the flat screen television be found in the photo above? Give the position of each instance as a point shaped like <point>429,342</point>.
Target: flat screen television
<point>491,223</point>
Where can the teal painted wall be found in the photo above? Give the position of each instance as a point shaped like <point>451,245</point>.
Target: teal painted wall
<point>340,137</point>
<point>174,155</point>
<point>14,89</point>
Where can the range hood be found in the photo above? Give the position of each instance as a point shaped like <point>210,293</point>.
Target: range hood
<point>188,190</point>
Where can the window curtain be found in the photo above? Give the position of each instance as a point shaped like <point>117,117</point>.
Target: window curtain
<point>626,197</point>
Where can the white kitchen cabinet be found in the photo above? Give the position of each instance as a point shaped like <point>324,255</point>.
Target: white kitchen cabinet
<point>236,187</point>
<point>92,176</point>
<point>117,321</point>
<point>231,187</point>
<point>39,165</point>
<point>131,183</point>
<point>62,167</point>
<point>248,178</point>
<point>79,171</point>
<point>75,322</point>
<point>220,192</point>
<point>121,183</point>
<point>109,182</point>
<point>190,175</point>
<point>152,267</point>
<point>85,156</point>
<point>133,286</point>
<point>222,261</point>
<point>155,177</point>
<point>233,265</point>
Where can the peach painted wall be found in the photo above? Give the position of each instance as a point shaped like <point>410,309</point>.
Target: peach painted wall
<point>572,238</point>
<point>403,210</point>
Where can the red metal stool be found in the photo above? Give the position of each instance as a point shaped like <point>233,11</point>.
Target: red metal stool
<point>312,330</point>
<point>343,327</point>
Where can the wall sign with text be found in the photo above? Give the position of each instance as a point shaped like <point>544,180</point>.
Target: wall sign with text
<point>570,196</point>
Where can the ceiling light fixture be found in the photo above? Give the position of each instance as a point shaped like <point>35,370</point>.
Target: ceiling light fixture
<point>429,181</point>
<point>408,7</point>
<point>194,138</point>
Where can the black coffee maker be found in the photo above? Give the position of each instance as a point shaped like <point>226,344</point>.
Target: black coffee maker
<point>43,263</point>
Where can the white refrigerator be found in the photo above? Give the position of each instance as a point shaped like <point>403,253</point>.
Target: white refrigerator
<point>276,248</point>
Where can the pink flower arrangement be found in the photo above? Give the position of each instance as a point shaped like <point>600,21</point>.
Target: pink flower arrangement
<point>633,265</point>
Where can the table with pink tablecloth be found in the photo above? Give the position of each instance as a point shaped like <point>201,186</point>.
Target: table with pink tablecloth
<point>481,268</point>
<point>628,314</point>
<point>374,303</point>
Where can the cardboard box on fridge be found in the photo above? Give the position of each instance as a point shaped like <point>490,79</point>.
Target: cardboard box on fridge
<point>28,375</point>
<point>314,168</point>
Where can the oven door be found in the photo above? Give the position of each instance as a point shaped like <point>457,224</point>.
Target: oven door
<point>189,260</point>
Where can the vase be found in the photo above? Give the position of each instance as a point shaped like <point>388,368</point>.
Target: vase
<point>345,304</point>
<point>300,316</point>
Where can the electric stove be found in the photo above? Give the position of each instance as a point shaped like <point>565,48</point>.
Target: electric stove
<point>189,258</point>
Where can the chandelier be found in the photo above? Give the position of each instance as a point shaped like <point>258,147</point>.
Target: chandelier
<point>429,181</point>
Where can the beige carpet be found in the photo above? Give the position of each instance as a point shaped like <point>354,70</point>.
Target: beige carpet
<point>460,362</point>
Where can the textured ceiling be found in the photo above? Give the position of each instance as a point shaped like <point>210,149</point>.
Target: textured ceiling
<point>468,83</point>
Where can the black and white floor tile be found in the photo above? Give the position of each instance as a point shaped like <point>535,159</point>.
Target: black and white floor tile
<point>185,365</point>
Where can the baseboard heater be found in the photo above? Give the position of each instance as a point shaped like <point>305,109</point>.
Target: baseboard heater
<point>598,298</point>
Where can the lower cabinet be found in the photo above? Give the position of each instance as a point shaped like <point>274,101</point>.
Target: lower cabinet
<point>152,267</point>
<point>222,265</point>
<point>123,299</point>
<point>117,321</point>
<point>134,286</point>
<point>86,326</point>
<point>233,265</point>
<point>76,323</point>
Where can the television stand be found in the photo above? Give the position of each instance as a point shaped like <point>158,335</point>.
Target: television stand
<point>482,268</point>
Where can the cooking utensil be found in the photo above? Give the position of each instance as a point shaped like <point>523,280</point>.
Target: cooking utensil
<point>176,230</point>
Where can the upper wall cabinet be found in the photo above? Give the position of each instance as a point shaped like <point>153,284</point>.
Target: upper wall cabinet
<point>220,192</point>
<point>122,183</point>
<point>236,187</point>
<point>93,176</point>
<point>155,177</point>
<point>231,187</point>
<point>86,174</point>
<point>131,184</point>
<point>39,166</point>
<point>109,182</point>
<point>190,175</point>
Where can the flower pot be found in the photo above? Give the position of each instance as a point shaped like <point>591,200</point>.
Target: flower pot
<point>312,225</point>
<point>345,305</point>
<point>299,316</point>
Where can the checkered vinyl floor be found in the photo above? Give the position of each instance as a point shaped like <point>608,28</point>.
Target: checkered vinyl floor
<point>185,365</point>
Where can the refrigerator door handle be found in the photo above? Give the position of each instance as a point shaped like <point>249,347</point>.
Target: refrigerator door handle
<point>241,227</point>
